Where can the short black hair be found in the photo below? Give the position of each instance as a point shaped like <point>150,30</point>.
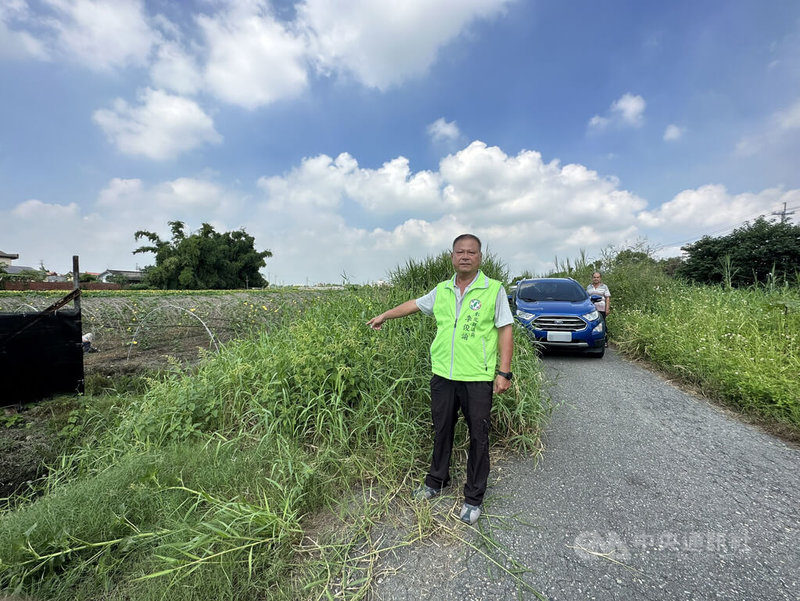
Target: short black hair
<point>467,236</point>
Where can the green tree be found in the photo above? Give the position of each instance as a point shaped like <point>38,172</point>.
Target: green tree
<point>633,256</point>
<point>750,254</point>
<point>26,275</point>
<point>205,260</point>
<point>671,265</point>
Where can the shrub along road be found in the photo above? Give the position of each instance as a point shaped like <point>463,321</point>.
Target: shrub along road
<point>643,492</point>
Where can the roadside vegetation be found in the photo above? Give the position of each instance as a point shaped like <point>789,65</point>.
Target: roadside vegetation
<point>278,467</point>
<point>737,345</point>
<point>740,346</point>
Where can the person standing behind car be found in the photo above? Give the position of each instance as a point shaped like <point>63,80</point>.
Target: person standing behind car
<point>603,306</point>
<point>470,360</point>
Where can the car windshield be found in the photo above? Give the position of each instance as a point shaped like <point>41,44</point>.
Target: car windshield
<point>553,290</point>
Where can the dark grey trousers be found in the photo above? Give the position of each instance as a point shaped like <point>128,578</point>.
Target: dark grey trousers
<point>474,399</point>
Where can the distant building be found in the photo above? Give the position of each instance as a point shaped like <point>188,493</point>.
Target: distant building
<point>5,263</point>
<point>131,277</point>
<point>52,276</point>
<point>13,269</point>
<point>6,258</point>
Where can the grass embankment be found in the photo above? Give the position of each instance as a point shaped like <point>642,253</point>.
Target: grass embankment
<point>740,346</point>
<point>210,485</point>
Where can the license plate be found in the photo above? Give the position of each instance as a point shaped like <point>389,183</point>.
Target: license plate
<point>559,336</point>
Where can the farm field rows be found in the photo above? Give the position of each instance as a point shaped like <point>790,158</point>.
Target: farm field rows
<point>136,332</point>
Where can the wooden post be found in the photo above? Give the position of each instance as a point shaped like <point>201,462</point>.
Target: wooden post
<point>76,281</point>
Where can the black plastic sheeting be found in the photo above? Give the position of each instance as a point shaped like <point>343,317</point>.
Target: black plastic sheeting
<point>40,355</point>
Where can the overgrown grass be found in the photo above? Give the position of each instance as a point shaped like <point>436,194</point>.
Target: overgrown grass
<point>205,487</point>
<point>740,346</point>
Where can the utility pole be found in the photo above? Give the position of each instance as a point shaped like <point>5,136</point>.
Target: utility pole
<point>783,214</point>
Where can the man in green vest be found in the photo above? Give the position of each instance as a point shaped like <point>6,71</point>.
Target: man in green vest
<point>473,327</point>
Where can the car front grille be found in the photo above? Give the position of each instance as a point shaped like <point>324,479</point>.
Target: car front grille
<point>558,323</point>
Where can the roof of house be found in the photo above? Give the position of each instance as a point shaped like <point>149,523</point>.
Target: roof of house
<point>8,255</point>
<point>18,268</point>
<point>122,272</point>
<point>131,276</point>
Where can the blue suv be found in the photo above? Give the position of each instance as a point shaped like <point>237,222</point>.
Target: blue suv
<point>558,314</point>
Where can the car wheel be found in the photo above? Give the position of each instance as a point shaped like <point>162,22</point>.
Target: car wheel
<point>598,354</point>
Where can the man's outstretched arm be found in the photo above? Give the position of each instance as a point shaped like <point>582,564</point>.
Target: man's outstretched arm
<point>406,308</point>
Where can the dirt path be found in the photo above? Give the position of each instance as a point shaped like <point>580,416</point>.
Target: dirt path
<point>643,492</point>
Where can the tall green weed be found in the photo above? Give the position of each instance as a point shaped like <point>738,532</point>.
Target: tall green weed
<point>202,487</point>
<point>738,345</point>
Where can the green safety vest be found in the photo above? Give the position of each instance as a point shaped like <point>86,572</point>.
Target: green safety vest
<point>465,346</point>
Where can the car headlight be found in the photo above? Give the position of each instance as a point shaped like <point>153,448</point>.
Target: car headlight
<point>524,314</point>
<point>591,316</point>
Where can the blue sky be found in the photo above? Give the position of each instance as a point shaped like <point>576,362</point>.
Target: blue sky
<point>348,136</point>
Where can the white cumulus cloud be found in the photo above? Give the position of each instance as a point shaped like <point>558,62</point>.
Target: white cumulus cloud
<point>176,70</point>
<point>102,234</point>
<point>630,109</point>
<point>252,58</point>
<point>160,127</point>
<point>103,34</point>
<point>16,43</point>
<point>241,52</point>
<point>526,209</point>
<point>486,183</point>
<point>673,133</point>
<point>58,229</point>
<point>36,209</point>
<point>711,207</point>
<point>444,131</point>
<point>394,188</point>
<point>321,184</point>
<point>385,43</point>
<point>626,111</point>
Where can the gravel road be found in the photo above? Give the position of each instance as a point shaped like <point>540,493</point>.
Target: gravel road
<point>643,492</point>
